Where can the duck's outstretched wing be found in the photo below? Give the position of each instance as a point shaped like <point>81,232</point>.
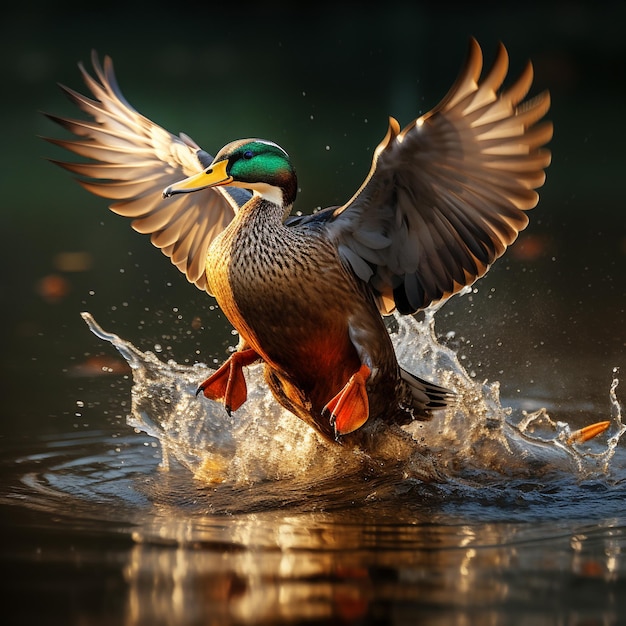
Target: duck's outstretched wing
<point>447,195</point>
<point>132,160</point>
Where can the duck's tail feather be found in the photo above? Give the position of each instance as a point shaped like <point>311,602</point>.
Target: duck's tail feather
<point>426,396</point>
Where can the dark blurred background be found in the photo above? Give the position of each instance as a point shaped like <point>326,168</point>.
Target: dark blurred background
<point>549,319</point>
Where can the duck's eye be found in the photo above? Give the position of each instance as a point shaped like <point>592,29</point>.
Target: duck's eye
<point>248,154</point>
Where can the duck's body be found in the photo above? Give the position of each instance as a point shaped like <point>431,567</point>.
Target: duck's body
<point>265,277</point>
<point>265,281</point>
<point>443,199</point>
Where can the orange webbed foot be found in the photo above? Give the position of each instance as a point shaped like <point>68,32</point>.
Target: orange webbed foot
<point>228,382</point>
<point>349,409</point>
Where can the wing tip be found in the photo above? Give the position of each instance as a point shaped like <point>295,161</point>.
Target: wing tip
<point>393,130</point>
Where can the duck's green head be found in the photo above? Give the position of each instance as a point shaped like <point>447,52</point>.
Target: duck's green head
<point>256,164</point>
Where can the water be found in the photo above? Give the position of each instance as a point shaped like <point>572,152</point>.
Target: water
<point>185,515</point>
<point>262,441</point>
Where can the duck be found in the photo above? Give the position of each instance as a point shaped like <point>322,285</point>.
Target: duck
<point>308,293</point>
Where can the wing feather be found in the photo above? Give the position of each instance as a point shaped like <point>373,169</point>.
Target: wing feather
<point>131,161</point>
<point>446,195</point>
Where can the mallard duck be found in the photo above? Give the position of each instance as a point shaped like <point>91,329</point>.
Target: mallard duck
<point>443,199</point>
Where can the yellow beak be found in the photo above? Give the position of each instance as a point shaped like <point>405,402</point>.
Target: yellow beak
<point>213,176</point>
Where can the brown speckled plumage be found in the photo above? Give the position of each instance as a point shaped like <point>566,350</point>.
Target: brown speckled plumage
<point>265,276</point>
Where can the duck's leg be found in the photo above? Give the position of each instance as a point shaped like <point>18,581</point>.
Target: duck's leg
<point>228,382</point>
<point>349,409</point>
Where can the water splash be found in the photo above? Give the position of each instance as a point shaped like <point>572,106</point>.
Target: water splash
<point>477,440</point>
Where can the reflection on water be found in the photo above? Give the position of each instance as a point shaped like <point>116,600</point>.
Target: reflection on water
<point>437,550</point>
<point>487,511</point>
<point>349,570</point>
